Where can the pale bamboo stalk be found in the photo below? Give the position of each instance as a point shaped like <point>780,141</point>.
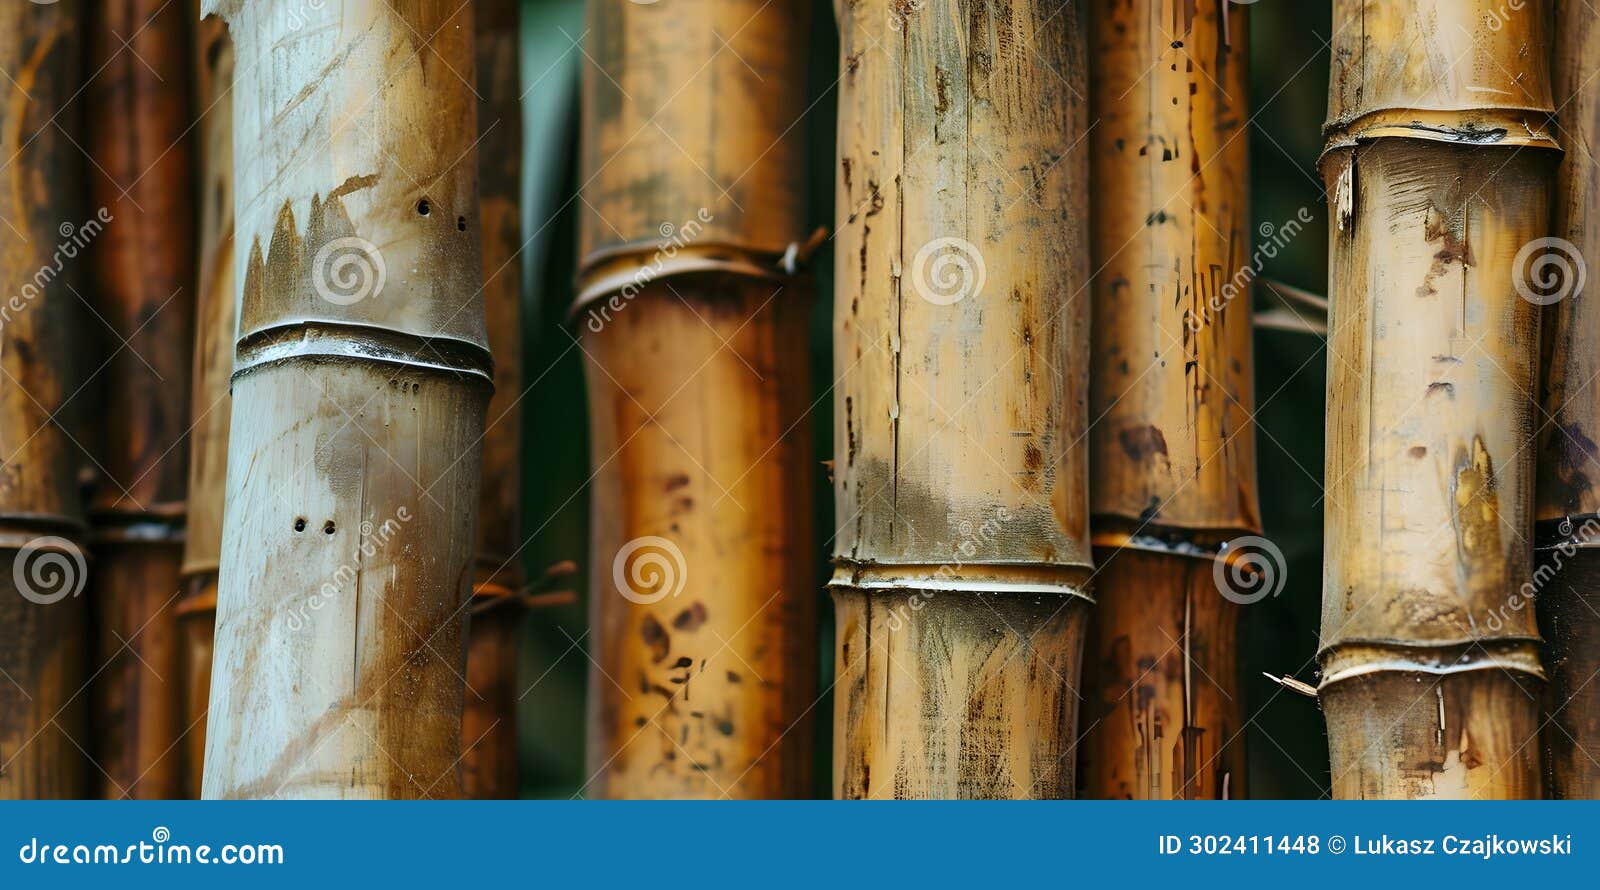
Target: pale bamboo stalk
<point>489,723</point>
<point>139,109</point>
<point>215,318</point>
<point>694,328</point>
<point>361,378</point>
<point>43,629</point>
<point>1173,448</point>
<point>1438,169</point>
<point>961,354</point>
<point>1567,513</point>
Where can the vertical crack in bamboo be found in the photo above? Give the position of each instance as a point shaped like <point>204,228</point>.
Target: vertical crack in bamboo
<point>1173,451</point>
<point>43,628</point>
<point>961,350</point>
<point>694,329</point>
<point>1439,161</point>
<point>361,380</point>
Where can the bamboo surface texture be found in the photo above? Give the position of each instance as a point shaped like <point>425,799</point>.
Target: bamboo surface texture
<point>43,568</point>
<point>215,317</point>
<point>702,610</point>
<point>361,380</point>
<point>1173,448</point>
<point>1567,513</point>
<point>489,722</point>
<point>1439,170</point>
<point>139,106</point>
<point>961,358</point>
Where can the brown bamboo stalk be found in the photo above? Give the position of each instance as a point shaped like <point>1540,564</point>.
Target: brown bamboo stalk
<point>1567,514</point>
<point>1173,448</point>
<point>1439,170</point>
<point>43,630</point>
<point>215,318</point>
<point>961,355</point>
<point>361,378</point>
<point>144,292</point>
<point>694,327</point>
<point>489,723</point>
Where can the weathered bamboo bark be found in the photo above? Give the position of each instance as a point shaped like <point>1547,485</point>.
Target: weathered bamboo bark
<point>1567,513</point>
<point>1173,449</point>
<point>144,290</point>
<point>215,318</point>
<point>43,630</point>
<point>1438,168</point>
<point>961,354</point>
<point>703,604</point>
<point>361,378</point>
<point>489,723</point>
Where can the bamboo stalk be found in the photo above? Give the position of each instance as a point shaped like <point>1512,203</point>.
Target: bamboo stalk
<point>1567,513</point>
<point>489,723</point>
<point>961,354</point>
<point>694,330</point>
<point>1173,448</point>
<point>361,379</point>
<point>43,629</point>
<point>215,318</point>
<point>144,292</point>
<point>1438,168</point>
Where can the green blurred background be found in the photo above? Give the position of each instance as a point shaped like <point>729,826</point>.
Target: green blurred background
<point>1289,87</point>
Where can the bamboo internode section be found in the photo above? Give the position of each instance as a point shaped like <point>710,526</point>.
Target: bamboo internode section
<point>361,380</point>
<point>692,315</point>
<point>1567,514</point>
<point>489,723</point>
<point>43,567</point>
<point>1438,168</point>
<point>139,141</point>
<point>961,360</point>
<point>1172,390</point>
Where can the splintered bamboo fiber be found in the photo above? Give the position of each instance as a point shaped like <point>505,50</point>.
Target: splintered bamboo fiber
<point>43,631</point>
<point>1173,448</point>
<point>138,138</point>
<point>213,364</point>
<point>361,379</point>
<point>692,315</point>
<point>489,723</point>
<point>1567,512</point>
<point>1439,170</point>
<point>961,353</point>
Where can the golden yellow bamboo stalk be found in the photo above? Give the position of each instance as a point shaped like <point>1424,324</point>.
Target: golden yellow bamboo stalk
<point>215,317</point>
<point>1567,514</point>
<point>1438,168</point>
<point>1173,448</point>
<point>361,378</point>
<point>489,723</point>
<point>139,108</point>
<point>961,354</point>
<point>43,630</point>
<point>693,319</point>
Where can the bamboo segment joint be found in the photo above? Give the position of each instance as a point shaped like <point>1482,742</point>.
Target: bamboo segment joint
<point>363,343</point>
<point>1349,660</point>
